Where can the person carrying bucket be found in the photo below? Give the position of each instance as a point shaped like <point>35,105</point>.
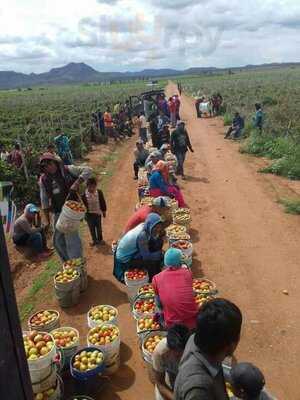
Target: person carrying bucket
<point>140,248</point>
<point>57,183</point>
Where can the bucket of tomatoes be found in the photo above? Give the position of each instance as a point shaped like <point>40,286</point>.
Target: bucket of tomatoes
<point>144,306</point>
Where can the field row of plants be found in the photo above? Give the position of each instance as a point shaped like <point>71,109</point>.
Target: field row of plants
<point>31,117</point>
<point>278,90</point>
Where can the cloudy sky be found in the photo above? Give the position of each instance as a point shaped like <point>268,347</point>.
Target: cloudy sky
<point>119,35</point>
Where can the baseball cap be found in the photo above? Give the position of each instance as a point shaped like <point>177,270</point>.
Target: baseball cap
<point>159,202</point>
<point>248,378</point>
<point>32,208</point>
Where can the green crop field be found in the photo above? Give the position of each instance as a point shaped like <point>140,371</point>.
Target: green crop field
<point>278,90</point>
<point>31,117</point>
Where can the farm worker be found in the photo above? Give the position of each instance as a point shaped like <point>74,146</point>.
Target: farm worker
<point>197,106</point>
<point>56,183</point>
<point>159,205</point>
<point>117,107</point>
<point>172,110</point>
<point>200,374</point>
<point>162,120</point>
<point>247,382</point>
<point>164,136</point>
<point>143,127</point>
<point>177,102</point>
<point>153,128</point>
<point>25,233</point>
<point>63,147</point>
<point>16,157</point>
<point>180,144</point>
<point>165,361</point>
<point>147,107</point>
<point>95,204</point>
<point>140,248</point>
<point>258,118</point>
<point>153,159</point>
<point>236,128</point>
<point>159,184</point>
<point>176,278</point>
<point>140,155</point>
<point>4,154</point>
<point>109,125</point>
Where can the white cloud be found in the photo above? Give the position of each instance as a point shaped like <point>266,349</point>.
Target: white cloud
<point>135,34</point>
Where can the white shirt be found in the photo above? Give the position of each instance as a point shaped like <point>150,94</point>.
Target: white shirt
<point>143,121</point>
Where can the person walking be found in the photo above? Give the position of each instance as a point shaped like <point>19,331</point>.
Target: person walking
<point>180,144</point>
<point>57,183</point>
<point>172,110</point>
<point>95,204</point>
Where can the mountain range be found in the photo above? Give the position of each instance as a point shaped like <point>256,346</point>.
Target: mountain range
<point>81,73</point>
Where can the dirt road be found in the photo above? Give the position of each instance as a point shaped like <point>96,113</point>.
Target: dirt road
<point>243,241</point>
<point>248,246</point>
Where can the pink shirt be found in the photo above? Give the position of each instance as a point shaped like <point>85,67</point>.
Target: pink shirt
<point>138,217</point>
<point>175,290</point>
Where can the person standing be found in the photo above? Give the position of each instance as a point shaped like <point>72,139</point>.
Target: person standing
<point>4,154</point>
<point>172,110</point>
<point>162,120</point>
<point>164,136</point>
<point>95,204</point>
<point>217,336</point>
<point>197,106</point>
<point>141,155</point>
<point>62,143</point>
<point>57,183</point>
<point>25,233</point>
<point>16,157</point>
<point>153,128</point>
<point>178,103</point>
<point>180,144</point>
<point>258,119</point>
<point>143,127</point>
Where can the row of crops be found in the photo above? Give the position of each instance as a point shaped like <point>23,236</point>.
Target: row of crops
<point>278,90</point>
<point>31,117</point>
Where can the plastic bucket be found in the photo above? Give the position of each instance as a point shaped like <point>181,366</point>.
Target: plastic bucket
<point>44,361</point>
<point>142,314</point>
<point>147,356</point>
<point>93,323</point>
<point>211,290</point>
<point>82,376</point>
<point>81,268</point>
<point>68,296</point>
<point>67,352</point>
<point>43,379</point>
<point>174,238</point>
<point>133,286</point>
<point>146,290</point>
<point>58,389</point>
<point>46,327</point>
<point>181,244</point>
<point>69,220</point>
<point>111,353</point>
<point>144,332</point>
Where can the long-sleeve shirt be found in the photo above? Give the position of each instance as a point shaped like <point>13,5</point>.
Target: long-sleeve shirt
<point>137,218</point>
<point>157,181</point>
<point>238,122</point>
<point>94,202</point>
<point>180,141</point>
<point>83,172</point>
<point>23,226</point>
<point>258,119</point>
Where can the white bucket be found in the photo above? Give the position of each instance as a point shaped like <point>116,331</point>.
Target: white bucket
<point>133,286</point>
<point>43,379</point>
<point>46,327</point>
<point>111,353</point>
<point>187,252</point>
<point>92,323</point>
<point>69,220</point>
<point>44,361</point>
<point>137,314</point>
<point>147,356</point>
<point>58,391</point>
<point>67,352</point>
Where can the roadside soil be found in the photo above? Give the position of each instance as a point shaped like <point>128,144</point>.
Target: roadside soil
<point>243,241</point>
<point>248,246</point>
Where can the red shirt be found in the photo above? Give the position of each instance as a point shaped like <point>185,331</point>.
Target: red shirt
<point>172,106</point>
<point>175,290</point>
<point>138,217</point>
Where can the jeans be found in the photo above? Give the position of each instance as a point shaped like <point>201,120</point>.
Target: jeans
<point>67,245</point>
<point>95,227</point>
<point>180,158</point>
<point>136,166</point>
<point>36,241</point>
<point>173,119</point>
<point>143,134</point>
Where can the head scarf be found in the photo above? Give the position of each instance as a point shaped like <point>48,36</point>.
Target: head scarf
<point>173,258</point>
<point>151,221</point>
<point>163,168</point>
